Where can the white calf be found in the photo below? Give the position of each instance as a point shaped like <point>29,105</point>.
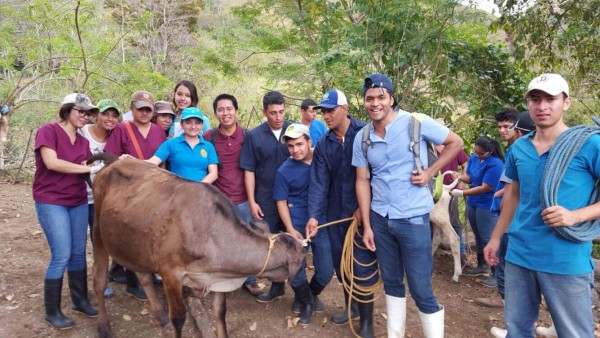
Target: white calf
<point>440,218</point>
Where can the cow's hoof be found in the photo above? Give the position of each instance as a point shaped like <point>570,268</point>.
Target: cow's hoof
<point>105,332</point>
<point>167,330</point>
<point>454,280</point>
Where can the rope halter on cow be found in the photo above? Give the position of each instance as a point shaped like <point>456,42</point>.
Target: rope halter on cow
<point>271,245</point>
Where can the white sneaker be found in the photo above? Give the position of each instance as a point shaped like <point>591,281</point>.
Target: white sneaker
<point>498,332</point>
<point>547,332</point>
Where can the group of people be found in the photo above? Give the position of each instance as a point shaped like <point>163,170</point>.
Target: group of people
<point>296,176</point>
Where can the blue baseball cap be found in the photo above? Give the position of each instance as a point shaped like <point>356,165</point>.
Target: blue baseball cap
<point>333,98</point>
<point>191,112</point>
<point>377,81</point>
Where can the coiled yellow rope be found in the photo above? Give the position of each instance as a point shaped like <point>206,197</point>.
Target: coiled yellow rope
<point>357,292</point>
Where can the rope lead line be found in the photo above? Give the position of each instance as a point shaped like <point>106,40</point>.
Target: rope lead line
<point>567,145</point>
<point>358,293</point>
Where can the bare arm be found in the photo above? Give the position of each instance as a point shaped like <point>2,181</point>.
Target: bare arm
<point>452,145</point>
<point>363,196</point>
<point>52,162</point>
<point>509,207</point>
<point>557,216</point>
<point>250,183</point>
<point>286,219</point>
<point>154,160</point>
<point>213,174</point>
<point>482,189</point>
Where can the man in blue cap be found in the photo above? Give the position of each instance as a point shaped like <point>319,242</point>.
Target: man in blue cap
<point>396,201</point>
<point>333,197</point>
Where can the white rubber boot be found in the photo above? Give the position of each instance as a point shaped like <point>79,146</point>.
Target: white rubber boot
<point>433,324</point>
<point>396,312</point>
<point>498,332</point>
<point>546,332</point>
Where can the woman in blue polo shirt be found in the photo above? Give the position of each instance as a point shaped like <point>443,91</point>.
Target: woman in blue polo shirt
<point>484,169</point>
<point>190,156</point>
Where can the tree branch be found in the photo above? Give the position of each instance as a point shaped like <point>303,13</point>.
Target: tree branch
<point>85,79</point>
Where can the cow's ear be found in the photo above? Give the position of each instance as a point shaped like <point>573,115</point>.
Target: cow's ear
<point>290,241</point>
<point>259,226</point>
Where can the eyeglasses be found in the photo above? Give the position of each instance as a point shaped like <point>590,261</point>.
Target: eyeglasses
<point>481,155</point>
<point>516,126</point>
<point>84,113</point>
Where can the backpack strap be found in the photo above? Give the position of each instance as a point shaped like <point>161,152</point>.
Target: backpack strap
<point>365,144</point>
<point>414,132</point>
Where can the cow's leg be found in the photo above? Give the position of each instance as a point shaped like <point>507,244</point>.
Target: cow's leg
<point>100,271</point>
<point>436,237</point>
<point>158,311</point>
<point>174,292</point>
<point>219,311</point>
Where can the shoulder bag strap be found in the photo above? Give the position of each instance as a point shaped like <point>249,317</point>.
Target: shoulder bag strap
<point>138,150</point>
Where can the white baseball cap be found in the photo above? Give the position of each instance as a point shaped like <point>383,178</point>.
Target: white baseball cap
<point>550,83</point>
<point>295,131</point>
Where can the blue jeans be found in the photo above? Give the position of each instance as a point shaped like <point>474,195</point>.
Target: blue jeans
<point>66,231</point>
<point>244,212</point>
<point>482,222</point>
<point>500,267</point>
<point>569,300</point>
<point>322,260</point>
<point>337,236</point>
<point>404,245</point>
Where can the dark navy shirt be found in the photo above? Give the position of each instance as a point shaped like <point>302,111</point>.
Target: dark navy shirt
<point>331,193</point>
<point>262,154</point>
<point>291,185</point>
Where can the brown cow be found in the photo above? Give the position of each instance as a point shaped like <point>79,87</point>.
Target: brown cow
<point>151,221</point>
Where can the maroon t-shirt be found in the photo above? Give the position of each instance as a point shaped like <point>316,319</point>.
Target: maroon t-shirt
<point>231,177</point>
<point>459,159</point>
<point>53,187</point>
<point>120,143</point>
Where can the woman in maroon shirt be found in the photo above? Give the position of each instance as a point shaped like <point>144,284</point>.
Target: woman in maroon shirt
<point>138,138</point>
<point>60,199</point>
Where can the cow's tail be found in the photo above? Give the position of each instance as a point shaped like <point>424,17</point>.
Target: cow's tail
<point>107,158</point>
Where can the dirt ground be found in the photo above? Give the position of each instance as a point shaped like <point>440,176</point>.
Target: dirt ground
<point>24,255</point>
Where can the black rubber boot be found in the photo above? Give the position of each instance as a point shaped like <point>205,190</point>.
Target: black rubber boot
<point>296,305</point>
<point>276,291</point>
<point>116,273</point>
<point>342,317</point>
<point>79,293</point>
<point>366,319</point>
<point>316,289</point>
<point>133,286</point>
<point>306,299</point>
<point>482,268</point>
<point>52,297</point>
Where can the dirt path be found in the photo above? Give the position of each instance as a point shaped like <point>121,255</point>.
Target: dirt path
<point>24,256</point>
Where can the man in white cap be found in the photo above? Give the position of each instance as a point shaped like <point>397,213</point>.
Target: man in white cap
<point>538,260</point>
<point>291,193</point>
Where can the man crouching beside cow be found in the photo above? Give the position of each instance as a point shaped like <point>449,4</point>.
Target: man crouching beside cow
<point>180,239</point>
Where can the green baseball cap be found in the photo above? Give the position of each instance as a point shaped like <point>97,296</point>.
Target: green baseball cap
<point>105,104</point>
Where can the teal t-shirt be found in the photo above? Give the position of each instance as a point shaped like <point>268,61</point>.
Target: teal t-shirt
<point>533,244</point>
<point>185,161</point>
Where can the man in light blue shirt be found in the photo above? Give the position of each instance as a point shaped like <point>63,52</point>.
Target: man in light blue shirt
<point>395,204</point>
<point>309,118</point>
